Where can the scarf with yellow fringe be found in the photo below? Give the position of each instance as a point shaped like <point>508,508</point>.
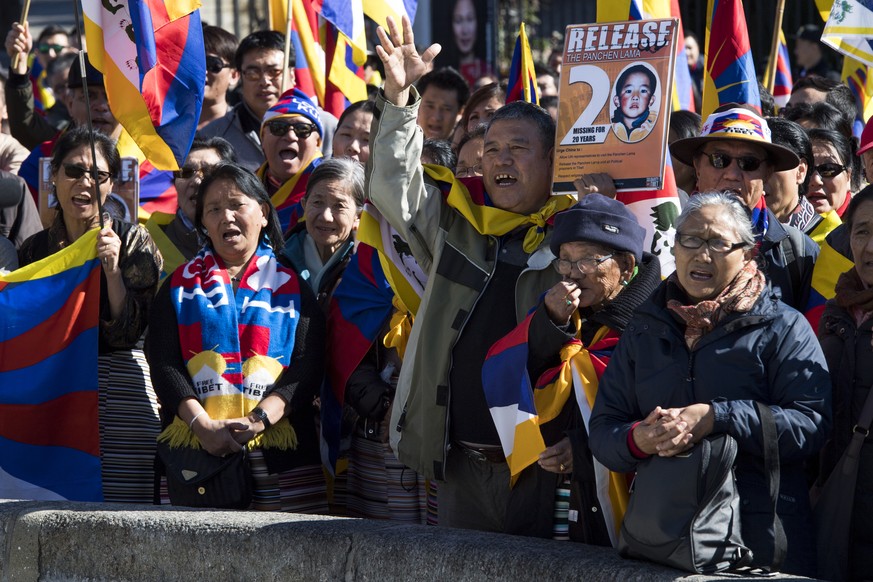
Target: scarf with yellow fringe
<point>235,345</point>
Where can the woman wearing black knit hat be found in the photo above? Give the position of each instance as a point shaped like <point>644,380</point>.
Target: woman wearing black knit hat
<point>598,246</point>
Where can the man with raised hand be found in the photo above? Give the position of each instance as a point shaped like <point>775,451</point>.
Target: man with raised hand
<point>485,246</point>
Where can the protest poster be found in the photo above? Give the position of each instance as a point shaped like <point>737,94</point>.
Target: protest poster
<point>614,103</point>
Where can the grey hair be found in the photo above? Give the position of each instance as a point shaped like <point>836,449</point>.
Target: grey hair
<point>345,170</point>
<point>736,212</point>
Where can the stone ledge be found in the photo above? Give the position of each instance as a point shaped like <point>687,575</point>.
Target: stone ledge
<point>76,542</point>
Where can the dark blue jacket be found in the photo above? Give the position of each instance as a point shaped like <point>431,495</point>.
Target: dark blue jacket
<point>769,354</point>
<point>791,278</point>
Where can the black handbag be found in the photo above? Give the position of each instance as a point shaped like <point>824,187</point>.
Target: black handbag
<point>196,478</point>
<point>832,511</point>
<point>684,511</point>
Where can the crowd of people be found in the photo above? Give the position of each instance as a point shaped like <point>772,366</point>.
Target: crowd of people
<point>223,325</point>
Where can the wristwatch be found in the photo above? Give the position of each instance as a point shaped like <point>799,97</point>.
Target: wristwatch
<point>259,413</point>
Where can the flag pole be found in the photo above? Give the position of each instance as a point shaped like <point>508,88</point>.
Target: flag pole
<point>22,22</point>
<point>770,81</point>
<point>287,57</point>
<point>84,72</point>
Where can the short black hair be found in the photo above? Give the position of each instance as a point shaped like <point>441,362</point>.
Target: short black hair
<point>844,100</point>
<point>845,147</point>
<point>524,110</point>
<point>822,84</point>
<point>263,40</point>
<point>822,115</point>
<point>78,136</point>
<point>446,78</point>
<point>858,199</point>
<point>685,124</point>
<point>549,101</point>
<point>51,30</point>
<point>792,136</point>
<point>440,151</point>
<point>220,42</point>
<point>222,147</point>
<point>365,105</point>
<point>622,79</point>
<point>251,186</point>
<point>768,105</point>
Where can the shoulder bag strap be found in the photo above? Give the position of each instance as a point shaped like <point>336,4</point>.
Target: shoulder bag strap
<point>771,468</point>
<point>859,433</point>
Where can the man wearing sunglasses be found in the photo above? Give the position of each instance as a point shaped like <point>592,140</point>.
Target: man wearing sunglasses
<point>291,137</point>
<point>221,75</point>
<point>258,60</point>
<point>734,153</point>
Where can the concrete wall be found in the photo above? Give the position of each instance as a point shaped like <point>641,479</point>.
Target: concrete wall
<point>79,541</point>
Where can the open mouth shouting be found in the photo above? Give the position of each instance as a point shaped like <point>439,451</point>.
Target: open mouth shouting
<point>503,180</point>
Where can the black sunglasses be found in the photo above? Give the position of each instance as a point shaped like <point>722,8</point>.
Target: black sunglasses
<point>745,163</point>
<point>215,65</point>
<point>186,173</point>
<point>830,170</point>
<point>47,48</point>
<point>279,128</point>
<point>75,172</point>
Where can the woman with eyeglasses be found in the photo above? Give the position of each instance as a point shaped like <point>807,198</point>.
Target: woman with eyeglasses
<point>598,248</point>
<point>712,340</point>
<point>130,270</point>
<point>175,234</point>
<point>831,183</point>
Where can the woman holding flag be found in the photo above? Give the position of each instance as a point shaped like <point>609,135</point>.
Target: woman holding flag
<point>598,246</point>
<point>131,266</point>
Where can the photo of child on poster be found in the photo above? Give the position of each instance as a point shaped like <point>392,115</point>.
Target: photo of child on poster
<point>635,107</point>
<point>466,34</point>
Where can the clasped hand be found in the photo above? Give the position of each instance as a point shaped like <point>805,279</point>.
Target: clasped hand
<point>224,437</point>
<point>667,432</point>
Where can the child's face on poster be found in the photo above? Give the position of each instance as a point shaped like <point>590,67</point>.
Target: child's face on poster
<point>635,96</point>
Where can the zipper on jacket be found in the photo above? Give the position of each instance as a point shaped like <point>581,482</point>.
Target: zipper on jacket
<point>496,242</point>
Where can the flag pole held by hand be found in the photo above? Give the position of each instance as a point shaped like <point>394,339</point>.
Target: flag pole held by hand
<point>23,21</point>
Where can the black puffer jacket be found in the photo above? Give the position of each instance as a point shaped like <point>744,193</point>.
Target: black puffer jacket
<point>848,351</point>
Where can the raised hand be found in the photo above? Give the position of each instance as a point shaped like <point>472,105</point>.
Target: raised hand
<point>403,65</point>
<point>19,44</point>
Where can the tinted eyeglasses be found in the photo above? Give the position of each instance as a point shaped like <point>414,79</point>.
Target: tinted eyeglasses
<point>75,172</point>
<point>469,172</point>
<point>256,74</point>
<point>716,245</point>
<point>188,173</point>
<point>586,266</point>
<point>47,48</point>
<point>830,170</point>
<point>215,65</point>
<point>279,128</point>
<point>745,163</point>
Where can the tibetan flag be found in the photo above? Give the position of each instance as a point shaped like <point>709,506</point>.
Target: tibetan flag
<point>856,76</point>
<point>345,73</point>
<point>309,65</point>
<point>510,398</point>
<point>519,409</point>
<point>782,82</point>
<point>346,16</point>
<point>834,259</point>
<point>618,10</point>
<point>49,436</point>
<point>522,77</point>
<point>153,62</point>
<point>849,29</point>
<point>380,10</point>
<point>729,76</point>
<point>43,98</point>
<point>359,308</point>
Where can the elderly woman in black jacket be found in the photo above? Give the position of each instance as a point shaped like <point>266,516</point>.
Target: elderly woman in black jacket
<point>846,335</point>
<point>711,341</point>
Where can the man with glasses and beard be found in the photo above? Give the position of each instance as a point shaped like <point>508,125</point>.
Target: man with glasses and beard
<point>734,153</point>
<point>259,62</point>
